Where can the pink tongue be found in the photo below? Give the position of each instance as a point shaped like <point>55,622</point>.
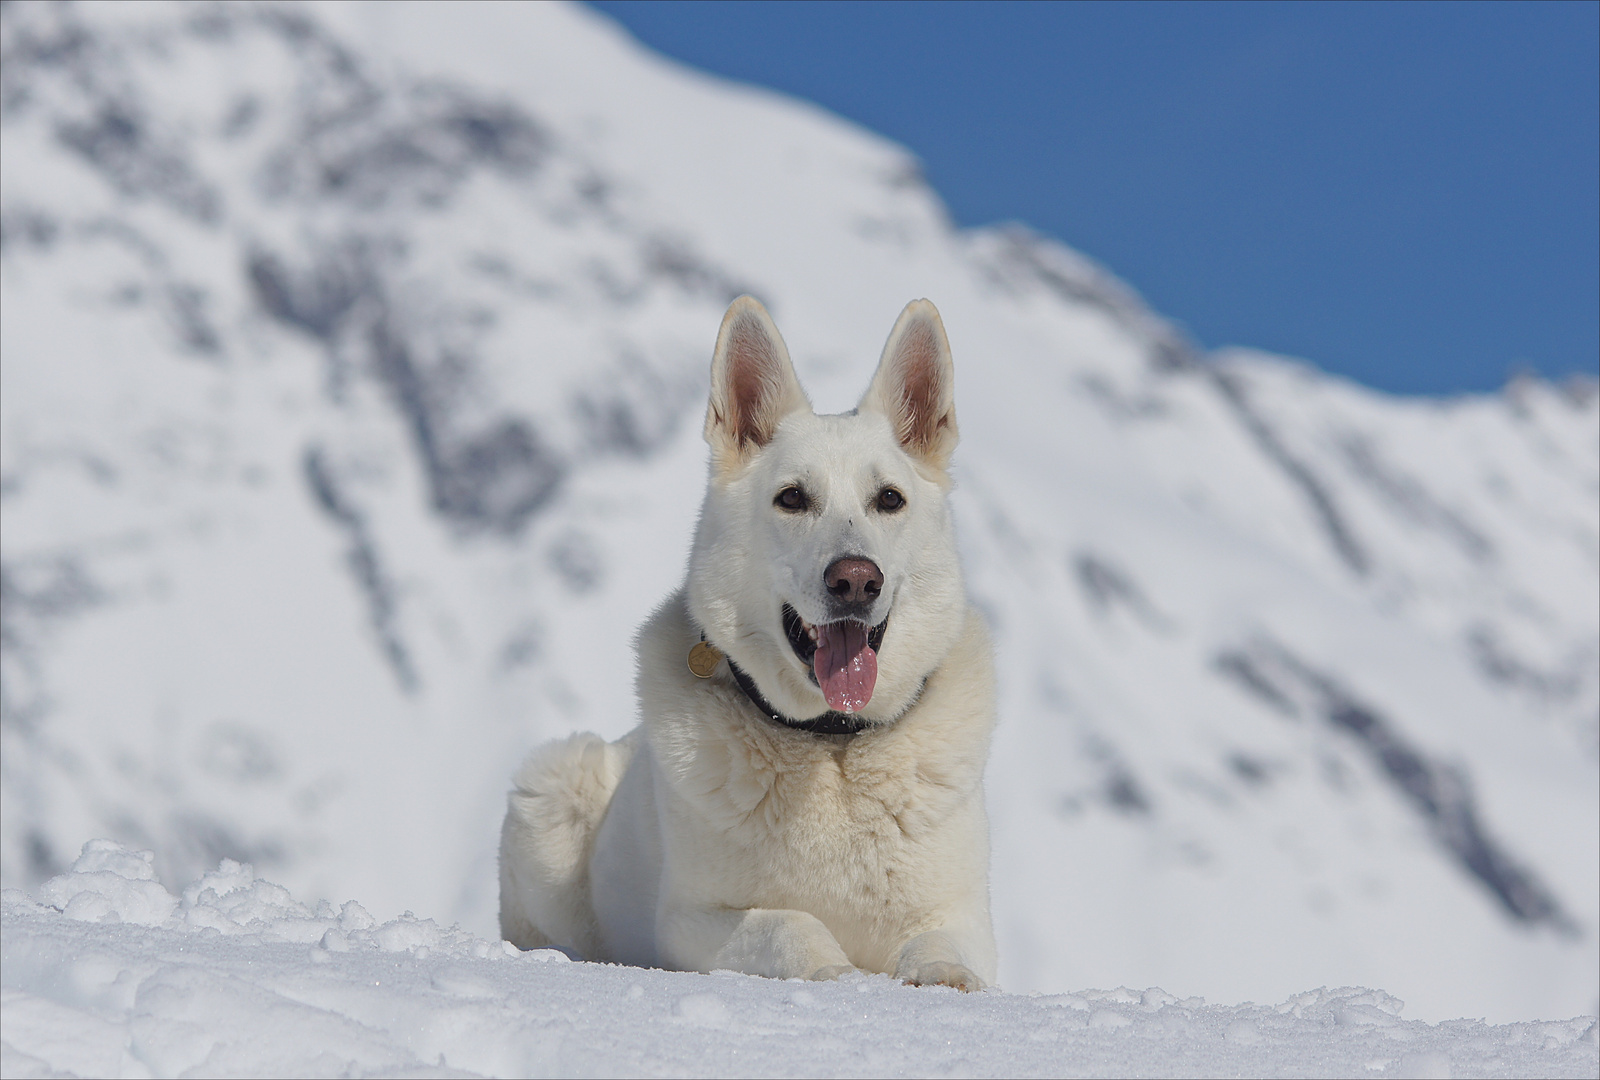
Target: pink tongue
<point>846,666</point>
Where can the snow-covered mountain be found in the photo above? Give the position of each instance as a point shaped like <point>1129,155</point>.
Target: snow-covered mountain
<point>353,365</point>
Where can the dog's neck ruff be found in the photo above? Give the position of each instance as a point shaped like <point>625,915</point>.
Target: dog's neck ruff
<point>829,723</point>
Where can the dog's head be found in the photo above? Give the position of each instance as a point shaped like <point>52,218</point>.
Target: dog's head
<point>825,562</point>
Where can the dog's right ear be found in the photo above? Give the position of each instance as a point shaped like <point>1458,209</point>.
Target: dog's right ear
<point>753,385</point>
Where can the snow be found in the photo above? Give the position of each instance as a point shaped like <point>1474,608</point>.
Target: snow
<point>354,360</point>
<point>113,976</point>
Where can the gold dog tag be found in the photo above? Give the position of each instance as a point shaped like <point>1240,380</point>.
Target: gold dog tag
<point>703,659</point>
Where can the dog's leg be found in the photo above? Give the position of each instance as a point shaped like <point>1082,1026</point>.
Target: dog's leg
<point>779,944</point>
<point>782,945</point>
<point>560,795</point>
<point>934,959</point>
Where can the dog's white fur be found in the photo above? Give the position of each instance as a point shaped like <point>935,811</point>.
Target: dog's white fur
<point>710,837</point>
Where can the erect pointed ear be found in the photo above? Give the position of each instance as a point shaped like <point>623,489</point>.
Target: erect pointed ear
<point>753,385</point>
<point>915,386</point>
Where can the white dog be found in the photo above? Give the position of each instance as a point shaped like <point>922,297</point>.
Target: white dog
<point>804,794</point>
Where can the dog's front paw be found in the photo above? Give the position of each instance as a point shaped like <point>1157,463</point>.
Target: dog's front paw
<point>831,972</point>
<point>943,973</point>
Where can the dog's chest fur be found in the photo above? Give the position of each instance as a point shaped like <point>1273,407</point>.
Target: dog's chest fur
<point>863,827</point>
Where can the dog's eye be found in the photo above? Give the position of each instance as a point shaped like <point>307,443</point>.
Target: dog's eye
<point>890,500</point>
<point>792,499</point>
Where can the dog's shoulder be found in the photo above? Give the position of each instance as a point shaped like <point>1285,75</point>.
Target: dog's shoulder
<point>957,704</point>
<point>665,686</point>
<point>680,712</point>
<point>933,757</point>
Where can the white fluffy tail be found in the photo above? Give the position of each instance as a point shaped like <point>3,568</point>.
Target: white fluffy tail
<point>552,814</point>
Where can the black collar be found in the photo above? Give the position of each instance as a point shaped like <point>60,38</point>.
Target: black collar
<point>829,723</point>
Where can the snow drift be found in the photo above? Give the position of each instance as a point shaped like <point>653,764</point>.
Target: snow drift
<point>114,976</point>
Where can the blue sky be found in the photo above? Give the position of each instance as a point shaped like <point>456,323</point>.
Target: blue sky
<point>1408,194</point>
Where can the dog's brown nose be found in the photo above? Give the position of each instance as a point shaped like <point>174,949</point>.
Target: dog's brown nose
<point>854,581</point>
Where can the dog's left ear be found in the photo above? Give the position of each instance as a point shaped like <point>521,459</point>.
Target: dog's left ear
<point>915,386</point>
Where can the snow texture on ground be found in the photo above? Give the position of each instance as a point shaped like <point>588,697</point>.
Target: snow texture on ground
<point>354,362</point>
<point>111,975</point>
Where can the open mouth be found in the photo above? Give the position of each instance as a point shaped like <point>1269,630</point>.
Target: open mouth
<point>842,656</point>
